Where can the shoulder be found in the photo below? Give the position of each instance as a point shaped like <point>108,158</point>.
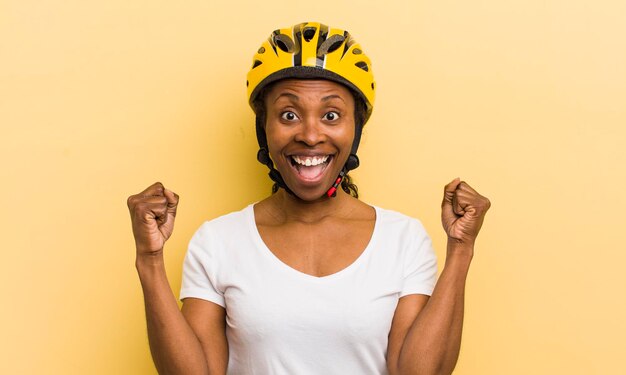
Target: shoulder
<point>228,220</point>
<point>390,219</point>
<point>232,225</point>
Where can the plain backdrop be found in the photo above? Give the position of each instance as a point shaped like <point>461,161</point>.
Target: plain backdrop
<point>525,100</point>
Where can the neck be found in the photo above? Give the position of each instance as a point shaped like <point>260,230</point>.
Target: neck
<point>292,208</point>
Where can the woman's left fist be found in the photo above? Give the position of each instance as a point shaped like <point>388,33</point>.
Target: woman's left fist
<point>462,212</point>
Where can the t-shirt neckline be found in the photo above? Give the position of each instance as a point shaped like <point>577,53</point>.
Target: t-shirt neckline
<point>265,250</point>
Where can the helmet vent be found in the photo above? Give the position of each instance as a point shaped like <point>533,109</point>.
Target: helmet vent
<point>284,42</point>
<point>363,65</point>
<point>331,44</point>
<point>309,33</point>
<point>311,50</point>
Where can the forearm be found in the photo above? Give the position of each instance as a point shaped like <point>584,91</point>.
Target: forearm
<point>174,346</point>
<point>433,342</point>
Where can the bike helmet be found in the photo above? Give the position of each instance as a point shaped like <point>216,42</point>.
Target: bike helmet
<point>311,50</point>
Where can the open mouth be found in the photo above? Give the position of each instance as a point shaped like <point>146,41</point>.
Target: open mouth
<point>310,167</point>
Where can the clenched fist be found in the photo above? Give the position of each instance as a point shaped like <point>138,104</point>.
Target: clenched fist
<point>152,213</point>
<point>462,212</point>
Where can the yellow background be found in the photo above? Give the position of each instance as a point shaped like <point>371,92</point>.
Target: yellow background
<point>526,100</point>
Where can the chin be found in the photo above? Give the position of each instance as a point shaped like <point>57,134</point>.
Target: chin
<point>310,187</point>
<point>310,194</point>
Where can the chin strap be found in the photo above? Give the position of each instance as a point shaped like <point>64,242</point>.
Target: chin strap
<point>332,192</point>
<point>263,156</point>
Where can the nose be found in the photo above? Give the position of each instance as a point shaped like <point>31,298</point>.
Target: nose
<point>310,132</point>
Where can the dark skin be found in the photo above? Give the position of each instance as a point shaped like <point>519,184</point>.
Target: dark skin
<point>315,237</point>
<point>311,233</point>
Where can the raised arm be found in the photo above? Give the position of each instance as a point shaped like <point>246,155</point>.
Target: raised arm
<point>174,344</point>
<point>425,337</point>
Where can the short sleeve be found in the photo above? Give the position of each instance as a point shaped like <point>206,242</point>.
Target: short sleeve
<point>199,268</point>
<point>420,264</point>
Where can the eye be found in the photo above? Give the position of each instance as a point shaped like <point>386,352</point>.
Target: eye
<point>331,116</point>
<point>288,116</point>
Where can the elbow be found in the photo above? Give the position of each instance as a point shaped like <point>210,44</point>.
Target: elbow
<point>183,370</point>
<point>420,368</point>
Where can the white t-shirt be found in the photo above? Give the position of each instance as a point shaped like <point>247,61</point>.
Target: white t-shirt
<point>282,321</point>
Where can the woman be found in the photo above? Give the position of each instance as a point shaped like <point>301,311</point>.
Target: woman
<point>310,280</point>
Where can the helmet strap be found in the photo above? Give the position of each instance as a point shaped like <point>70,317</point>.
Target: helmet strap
<point>332,192</point>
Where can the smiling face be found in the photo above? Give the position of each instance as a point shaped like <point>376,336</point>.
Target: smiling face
<point>309,128</point>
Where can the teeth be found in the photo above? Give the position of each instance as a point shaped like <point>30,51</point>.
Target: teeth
<point>310,161</point>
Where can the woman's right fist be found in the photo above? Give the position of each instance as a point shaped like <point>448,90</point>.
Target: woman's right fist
<point>152,213</point>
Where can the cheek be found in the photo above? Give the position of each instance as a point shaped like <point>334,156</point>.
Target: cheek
<point>276,139</point>
<point>344,136</point>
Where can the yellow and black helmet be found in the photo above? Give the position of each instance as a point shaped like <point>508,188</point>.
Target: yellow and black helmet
<point>312,50</point>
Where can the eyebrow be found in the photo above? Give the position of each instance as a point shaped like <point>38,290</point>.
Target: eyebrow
<point>296,98</point>
<point>289,95</point>
<point>334,96</point>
